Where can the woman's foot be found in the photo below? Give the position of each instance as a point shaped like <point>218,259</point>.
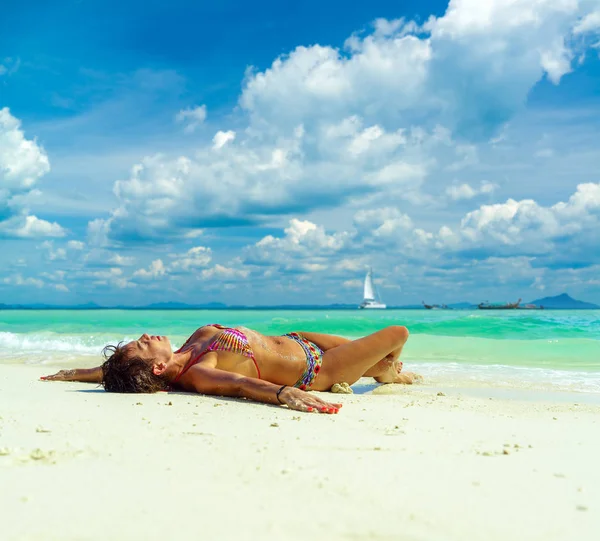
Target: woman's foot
<point>394,375</point>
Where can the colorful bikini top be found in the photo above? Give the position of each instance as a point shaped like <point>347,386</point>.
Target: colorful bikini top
<point>228,339</point>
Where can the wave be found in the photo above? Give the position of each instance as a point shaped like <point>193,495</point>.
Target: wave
<point>508,377</point>
<point>51,347</point>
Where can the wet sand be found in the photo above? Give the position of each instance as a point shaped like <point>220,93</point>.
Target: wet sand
<point>401,463</point>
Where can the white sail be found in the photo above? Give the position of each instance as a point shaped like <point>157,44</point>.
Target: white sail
<point>369,295</point>
<point>369,290</point>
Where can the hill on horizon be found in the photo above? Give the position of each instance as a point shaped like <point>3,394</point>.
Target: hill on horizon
<point>565,302</point>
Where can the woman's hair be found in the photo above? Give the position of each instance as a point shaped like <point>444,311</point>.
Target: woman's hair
<point>129,374</point>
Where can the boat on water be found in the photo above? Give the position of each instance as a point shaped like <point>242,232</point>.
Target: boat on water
<point>371,300</point>
<point>436,306</point>
<point>507,306</point>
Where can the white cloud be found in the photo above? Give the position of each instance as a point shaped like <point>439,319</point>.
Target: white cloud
<point>224,273</point>
<point>107,274</point>
<point>221,138</point>
<point>54,254</point>
<point>252,179</point>
<point>192,117</point>
<point>22,163</point>
<point>193,233</point>
<point>378,129</point>
<point>155,270</point>
<point>57,275</point>
<point>475,64</point>
<point>380,117</point>
<point>304,246</point>
<point>527,226</point>
<point>24,227</point>
<point>589,23</point>
<point>75,245</point>
<point>382,222</point>
<point>121,260</point>
<point>199,256</point>
<point>18,280</point>
<point>111,277</point>
<point>465,191</point>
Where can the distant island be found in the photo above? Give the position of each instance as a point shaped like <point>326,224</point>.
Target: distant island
<point>564,302</point>
<point>560,302</point>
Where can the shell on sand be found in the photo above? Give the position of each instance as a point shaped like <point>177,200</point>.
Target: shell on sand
<point>341,388</point>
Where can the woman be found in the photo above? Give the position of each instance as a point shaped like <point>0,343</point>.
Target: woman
<point>242,363</point>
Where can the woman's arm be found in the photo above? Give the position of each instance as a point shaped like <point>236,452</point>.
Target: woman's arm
<point>209,380</point>
<point>87,375</point>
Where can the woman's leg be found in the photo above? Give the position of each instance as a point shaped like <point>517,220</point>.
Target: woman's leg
<point>352,360</point>
<point>330,341</point>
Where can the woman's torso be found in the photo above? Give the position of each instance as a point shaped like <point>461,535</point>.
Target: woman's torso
<point>277,359</point>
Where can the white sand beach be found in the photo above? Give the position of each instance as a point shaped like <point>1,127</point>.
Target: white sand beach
<point>398,463</point>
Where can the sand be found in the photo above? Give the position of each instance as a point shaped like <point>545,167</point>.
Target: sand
<point>398,463</point>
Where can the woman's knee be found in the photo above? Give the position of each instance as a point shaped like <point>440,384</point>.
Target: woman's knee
<point>399,333</point>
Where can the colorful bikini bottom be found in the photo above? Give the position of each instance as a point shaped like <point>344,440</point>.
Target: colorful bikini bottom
<point>314,359</point>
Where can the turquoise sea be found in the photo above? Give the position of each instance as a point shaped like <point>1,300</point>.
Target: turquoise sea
<point>547,350</point>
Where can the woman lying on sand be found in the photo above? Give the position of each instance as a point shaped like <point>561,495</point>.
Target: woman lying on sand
<point>242,363</point>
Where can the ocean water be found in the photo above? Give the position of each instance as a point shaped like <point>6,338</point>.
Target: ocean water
<point>543,350</point>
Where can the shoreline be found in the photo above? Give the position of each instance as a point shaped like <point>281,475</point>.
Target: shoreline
<point>396,463</point>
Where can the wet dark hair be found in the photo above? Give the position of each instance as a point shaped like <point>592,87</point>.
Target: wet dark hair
<point>129,374</point>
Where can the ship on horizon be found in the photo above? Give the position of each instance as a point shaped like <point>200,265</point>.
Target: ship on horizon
<point>436,306</point>
<point>508,306</point>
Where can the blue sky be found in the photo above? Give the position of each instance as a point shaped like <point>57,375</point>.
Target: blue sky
<point>263,154</point>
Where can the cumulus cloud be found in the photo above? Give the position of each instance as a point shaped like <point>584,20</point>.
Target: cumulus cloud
<point>54,253</point>
<point>192,117</point>
<point>121,260</point>
<point>76,245</point>
<point>303,243</point>
<point>221,272</point>
<point>199,256</point>
<point>379,116</point>
<point>110,277</point>
<point>155,270</point>
<point>457,192</point>
<point>561,230</point>
<point>248,181</point>
<point>525,234</point>
<point>22,163</point>
<point>588,23</point>
<point>221,138</point>
<point>382,223</point>
<point>19,280</point>
<point>23,226</point>
<point>471,69</point>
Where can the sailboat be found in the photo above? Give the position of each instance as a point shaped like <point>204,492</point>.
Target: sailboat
<point>369,296</point>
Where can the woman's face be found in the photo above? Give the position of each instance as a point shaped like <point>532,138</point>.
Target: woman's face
<point>151,347</point>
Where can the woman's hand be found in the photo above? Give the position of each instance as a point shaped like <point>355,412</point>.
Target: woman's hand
<point>63,375</point>
<point>302,401</point>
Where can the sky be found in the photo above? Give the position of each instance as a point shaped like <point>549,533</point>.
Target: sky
<point>263,153</point>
